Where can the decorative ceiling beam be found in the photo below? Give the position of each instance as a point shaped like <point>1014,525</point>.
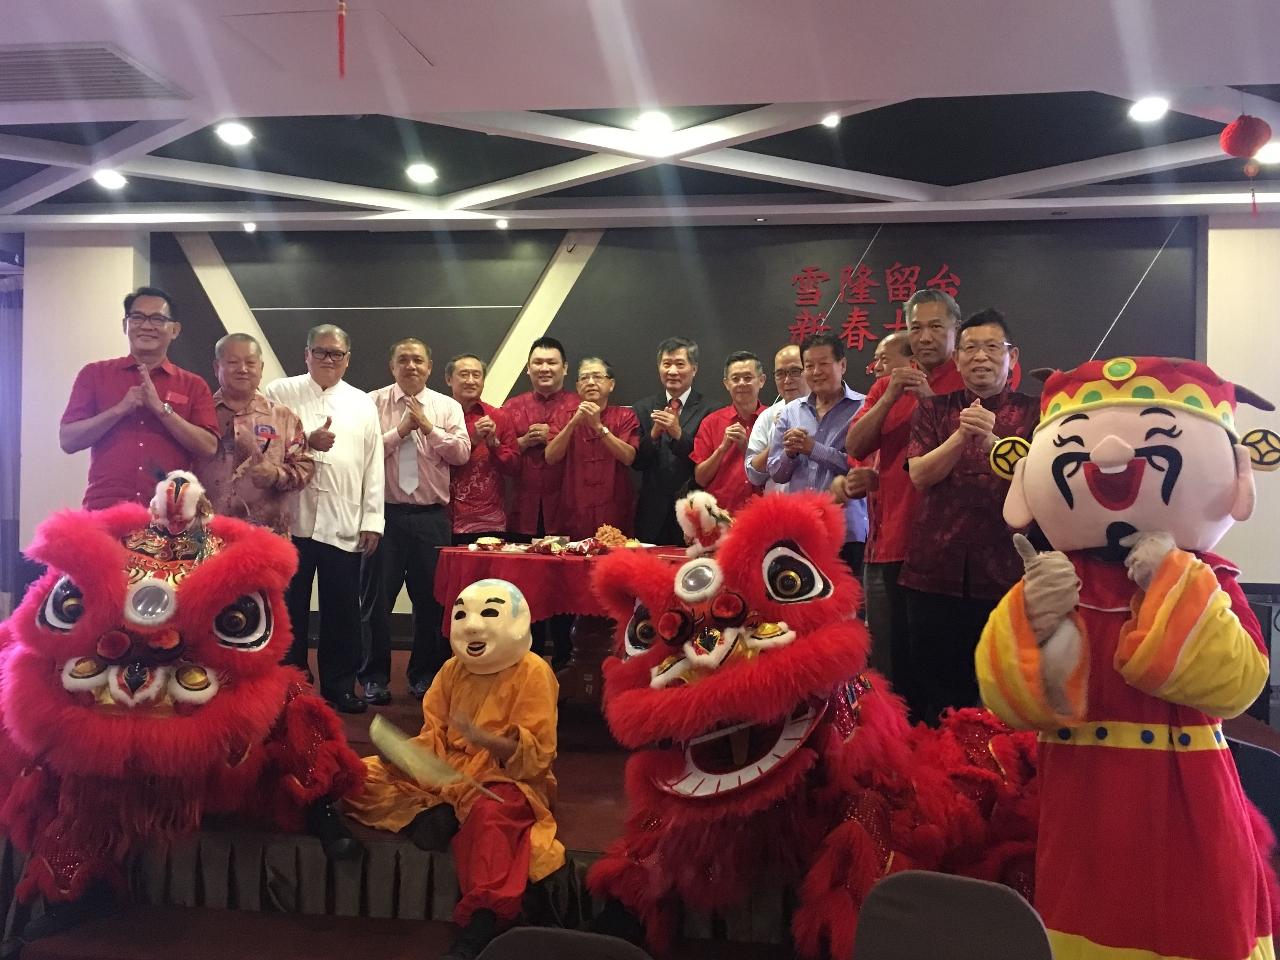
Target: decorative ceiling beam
<point>71,164</point>
<point>276,184</point>
<point>559,177</point>
<point>1186,153</point>
<point>816,176</point>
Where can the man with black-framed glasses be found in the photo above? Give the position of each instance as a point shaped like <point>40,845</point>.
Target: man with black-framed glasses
<point>139,415</point>
<point>340,513</point>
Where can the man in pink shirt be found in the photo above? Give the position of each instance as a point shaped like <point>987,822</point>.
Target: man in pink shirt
<point>720,445</point>
<point>424,433</point>
<point>140,415</point>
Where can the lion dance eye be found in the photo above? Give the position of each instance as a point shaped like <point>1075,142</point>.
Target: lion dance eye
<point>789,576</point>
<point>64,606</point>
<point>245,624</point>
<point>640,632</point>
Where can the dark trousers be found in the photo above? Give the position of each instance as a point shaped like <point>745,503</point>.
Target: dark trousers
<point>944,632</point>
<point>338,651</point>
<point>851,554</point>
<point>887,620</point>
<point>407,554</point>
<point>556,630</point>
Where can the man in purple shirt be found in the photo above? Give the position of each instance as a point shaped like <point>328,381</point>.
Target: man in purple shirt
<point>806,451</point>
<point>960,560</point>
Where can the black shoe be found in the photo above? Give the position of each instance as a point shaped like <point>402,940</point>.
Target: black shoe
<point>614,921</point>
<point>98,901</point>
<point>431,830</point>
<point>475,936</point>
<point>327,825</point>
<point>376,694</point>
<point>347,703</point>
<point>418,689</point>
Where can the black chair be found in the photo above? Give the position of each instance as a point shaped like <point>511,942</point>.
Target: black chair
<point>917,915</point>
<point>532,943</point>
<point>1260,776</point>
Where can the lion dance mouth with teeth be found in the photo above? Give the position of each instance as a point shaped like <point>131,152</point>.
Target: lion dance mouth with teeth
<point>764,752</point>
<point>141,688</point>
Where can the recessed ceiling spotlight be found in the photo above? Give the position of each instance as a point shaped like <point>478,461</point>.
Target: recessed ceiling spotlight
<point>760,219</point>
<point>501,224</point>
<point>250,227</point>
<point>1270,153</point>
<point>831,120</point>
<point>420,172</point>
<point>234,134</point>
<point>109,179</point>
<point>1148,109</point>
<point>653,122</point>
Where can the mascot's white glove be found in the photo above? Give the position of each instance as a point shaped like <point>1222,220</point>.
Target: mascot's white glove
<point>1050,586</point>
<point>1146,552</point>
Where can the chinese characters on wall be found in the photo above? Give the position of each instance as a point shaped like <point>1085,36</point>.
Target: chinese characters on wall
<point>865,293</point>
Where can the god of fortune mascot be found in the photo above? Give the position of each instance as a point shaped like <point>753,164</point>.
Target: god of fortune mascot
<point>141,688</point>
<point>489,721</point>
<point>762,751</point>
<point>1124,646</point>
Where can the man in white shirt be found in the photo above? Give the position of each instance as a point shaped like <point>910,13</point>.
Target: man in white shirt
<point>339,517</point>
<point>788,377</point>
<point>423,433</point>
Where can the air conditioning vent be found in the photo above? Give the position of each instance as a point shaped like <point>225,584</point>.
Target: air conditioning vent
<point>77,71</point>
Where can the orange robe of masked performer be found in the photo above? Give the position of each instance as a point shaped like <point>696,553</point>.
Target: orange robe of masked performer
<point>518,703</point>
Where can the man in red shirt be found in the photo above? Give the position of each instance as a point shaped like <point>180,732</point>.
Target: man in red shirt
<point>718,448</point>
<point>139,415</point>
<point>597,444</point>
<point>535,502</point>
<point>884,425</point>
<point>535,509</point>
<point>475,488</point>
<point>960,560</point>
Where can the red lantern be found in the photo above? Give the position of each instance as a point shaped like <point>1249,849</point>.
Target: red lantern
<point>1243,137</point>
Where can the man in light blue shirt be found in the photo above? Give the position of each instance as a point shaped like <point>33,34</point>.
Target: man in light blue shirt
<point>806,451</point>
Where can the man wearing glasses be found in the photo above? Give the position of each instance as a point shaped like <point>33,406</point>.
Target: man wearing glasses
<point>883,426</point>
<point>788,377</point>
<point>340,513</point>
<point>719,448</point>
<point>597,443</point>
<point>960,560</point>
<point>140,415</point>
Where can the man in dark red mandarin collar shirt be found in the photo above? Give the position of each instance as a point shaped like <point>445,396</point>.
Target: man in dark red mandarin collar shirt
<point>721,442</point>
<point>475,488</point>
<point>960,560</point>
<point>139,415</point>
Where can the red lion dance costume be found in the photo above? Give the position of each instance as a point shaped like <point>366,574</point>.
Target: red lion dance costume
<point>763,754</point>
<point>141,688</point>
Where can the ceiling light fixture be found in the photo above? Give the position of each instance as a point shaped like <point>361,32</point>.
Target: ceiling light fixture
<point>250,227</point>
<point>420,172</point>
<point>233,134</point>
<point>653,122</point>
<point>760,219</point>
<point>501,224</point>
<point>1149,109</point>
<point>109,179</point>
<point>831,120</point>
<point>1270,153</point>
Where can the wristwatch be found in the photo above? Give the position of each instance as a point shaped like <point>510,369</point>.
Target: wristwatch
<point>604,431</point>
<point>167,407</point>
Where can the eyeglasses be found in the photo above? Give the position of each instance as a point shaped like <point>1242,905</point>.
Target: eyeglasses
<point>592,377</point>
<point>337,356</point>
<point>140,319</point>
<point>788,373</point>
<point>993,349</point>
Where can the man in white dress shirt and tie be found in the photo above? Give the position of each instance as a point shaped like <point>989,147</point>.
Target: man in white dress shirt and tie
<point>424,433</point>
<point>339,516</point>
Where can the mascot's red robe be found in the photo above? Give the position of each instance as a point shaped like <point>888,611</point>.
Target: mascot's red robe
<point>764,753</point>
<point>141,688</point>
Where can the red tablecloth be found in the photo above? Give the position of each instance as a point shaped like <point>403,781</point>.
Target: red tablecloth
<point>551,585</point>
